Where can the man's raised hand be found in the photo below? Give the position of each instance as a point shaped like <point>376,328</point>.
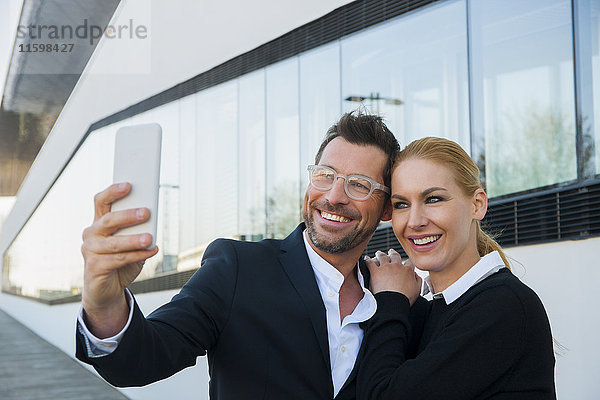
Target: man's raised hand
<point>111,262</point>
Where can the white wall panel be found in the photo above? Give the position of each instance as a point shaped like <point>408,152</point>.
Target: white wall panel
<point>566,276</point>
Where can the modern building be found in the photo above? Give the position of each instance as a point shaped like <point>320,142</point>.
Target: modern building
<point>244,92</point>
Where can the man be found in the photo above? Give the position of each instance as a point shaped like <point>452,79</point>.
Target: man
<point>279,319</point>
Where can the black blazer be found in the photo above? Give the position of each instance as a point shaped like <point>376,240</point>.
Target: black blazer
<point>255,308</point>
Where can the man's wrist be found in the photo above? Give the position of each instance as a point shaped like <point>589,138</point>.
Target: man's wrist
<point>106,321</point>
<point>97,347</point>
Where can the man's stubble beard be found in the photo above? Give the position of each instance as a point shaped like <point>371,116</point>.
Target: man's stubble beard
<point>346,243</point>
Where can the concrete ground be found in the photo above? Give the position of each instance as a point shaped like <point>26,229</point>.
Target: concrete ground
<point>31,369</point>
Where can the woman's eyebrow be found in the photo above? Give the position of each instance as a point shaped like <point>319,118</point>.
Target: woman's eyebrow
<point>423,194</point>
<point>431,190</point>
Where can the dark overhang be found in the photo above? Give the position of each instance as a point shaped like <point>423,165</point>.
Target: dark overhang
<point>54,42</point>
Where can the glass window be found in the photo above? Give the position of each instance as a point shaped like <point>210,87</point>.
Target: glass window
<point>55,268</point>
<point>320,104</point>
<point>595,27</point>
<point>252,192</point>
<point>412,71</point>
<point>283,172</point>
<point>189,256</point>
<point>588,71</point>
<point>234,156</point>
<point>522,62</point>
<point>216,163</point>
<point>167,235</point>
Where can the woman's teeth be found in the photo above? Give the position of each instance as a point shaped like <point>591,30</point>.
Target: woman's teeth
<point>426,240</point>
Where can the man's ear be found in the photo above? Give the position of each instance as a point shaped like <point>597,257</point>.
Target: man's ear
<point>480,202</point>
<point>387,211</point>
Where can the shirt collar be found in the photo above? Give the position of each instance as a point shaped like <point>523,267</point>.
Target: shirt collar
<point>326,270</point>
<point>322,268</point>
<point>328,276</point>
<point>486,266</point>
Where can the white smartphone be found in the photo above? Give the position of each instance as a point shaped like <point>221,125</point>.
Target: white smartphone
<point>137,161</point>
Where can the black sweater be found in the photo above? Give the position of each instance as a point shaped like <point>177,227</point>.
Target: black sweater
<point>494,342</point>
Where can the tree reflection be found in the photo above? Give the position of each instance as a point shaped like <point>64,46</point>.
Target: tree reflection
<point>283,209</point>
<point>532,147</point>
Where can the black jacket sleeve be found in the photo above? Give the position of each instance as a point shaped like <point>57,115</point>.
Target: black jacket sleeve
<point>478,344</point>
<point>173,336</point>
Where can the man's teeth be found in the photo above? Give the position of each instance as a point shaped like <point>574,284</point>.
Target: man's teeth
<point>334,217</point>
<point>427,239</point>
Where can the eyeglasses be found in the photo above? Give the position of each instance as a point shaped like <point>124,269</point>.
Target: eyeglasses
<point>357,187</point>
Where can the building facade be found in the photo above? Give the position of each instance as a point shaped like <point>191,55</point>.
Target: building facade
<point>516,83</point>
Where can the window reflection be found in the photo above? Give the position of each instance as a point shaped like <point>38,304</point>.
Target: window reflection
<point>522,51</point>
<point>588,42</point>
<point>283,172</point>
<point>252,156</point>
<point>320,104</point>
<point>168,207</point>
<point>216,163</point>
<point>595,30</point>
<point>188,255</point>
<point>412,71</point>
<point>45,259</point>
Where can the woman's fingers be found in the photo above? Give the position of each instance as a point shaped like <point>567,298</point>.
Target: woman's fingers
<point>395,257</point>
<point>408,262</point>
<point>371,263</point>
<point>382,258</point>
<point>390,273</point>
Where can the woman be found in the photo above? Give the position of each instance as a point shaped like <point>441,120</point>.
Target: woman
<point>487,334</point>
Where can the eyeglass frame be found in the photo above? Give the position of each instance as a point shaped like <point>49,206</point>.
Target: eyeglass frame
<point>374,185</point>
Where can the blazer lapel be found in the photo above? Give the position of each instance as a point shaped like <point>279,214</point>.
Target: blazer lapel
<point>297,266</point>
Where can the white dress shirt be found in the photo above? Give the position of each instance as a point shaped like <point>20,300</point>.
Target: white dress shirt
<point>101,347</point>
<point>486,266</point>
<point>345,337</point>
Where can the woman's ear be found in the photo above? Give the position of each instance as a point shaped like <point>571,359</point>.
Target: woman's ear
<point>480,201</point>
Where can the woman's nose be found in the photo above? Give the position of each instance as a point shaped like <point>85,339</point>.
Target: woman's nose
<point>416,218</point>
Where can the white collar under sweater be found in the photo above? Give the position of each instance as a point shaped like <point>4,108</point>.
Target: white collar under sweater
<point>486,266</point>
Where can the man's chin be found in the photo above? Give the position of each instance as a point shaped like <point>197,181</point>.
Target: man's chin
<point>331,245</point>
<point>332,248</point>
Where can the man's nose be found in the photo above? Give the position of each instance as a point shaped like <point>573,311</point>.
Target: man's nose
<point>337,194</point>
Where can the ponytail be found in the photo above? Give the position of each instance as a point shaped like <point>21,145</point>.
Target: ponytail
<point>486,244</point>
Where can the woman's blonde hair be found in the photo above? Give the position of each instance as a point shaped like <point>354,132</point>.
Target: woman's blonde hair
<point>465,172</point>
